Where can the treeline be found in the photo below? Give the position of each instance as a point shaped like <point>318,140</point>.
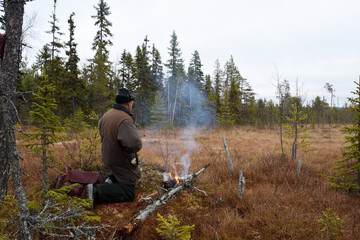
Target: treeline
<point>166,91</point>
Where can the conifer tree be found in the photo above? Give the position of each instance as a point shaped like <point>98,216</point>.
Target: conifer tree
<point>157,68</point>
<point>55,69</point>
<point>218,82</point>
<point>158,111</point>
<point>210,100</point>
<point>283,94</point>
<point>43,59</point>
<point>194,88</point>
<point>176,78</point>
<point>295,127</point>
<point>226,117</point>
<point>318,110</point>
<point>126,72</point>
<point>48,125</point>
<point>99,69</point>
<point>348,173</point>
<point>73,87</point>
<point>145,87</point>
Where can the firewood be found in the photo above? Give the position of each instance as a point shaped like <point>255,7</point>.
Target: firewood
<point>143,214</point>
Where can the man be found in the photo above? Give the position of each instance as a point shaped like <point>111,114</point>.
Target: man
<point>120,142</point>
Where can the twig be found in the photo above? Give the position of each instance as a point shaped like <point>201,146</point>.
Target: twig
<point>202,191</point>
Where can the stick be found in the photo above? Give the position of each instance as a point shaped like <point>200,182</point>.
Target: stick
<point>228,156</point>
<point>241,186</point>
<point>298,167</point>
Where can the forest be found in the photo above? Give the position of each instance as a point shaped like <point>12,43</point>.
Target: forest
<point>302,182</point>
<point>168,92</point>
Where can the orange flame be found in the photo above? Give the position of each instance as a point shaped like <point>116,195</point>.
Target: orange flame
<point>176,176</point>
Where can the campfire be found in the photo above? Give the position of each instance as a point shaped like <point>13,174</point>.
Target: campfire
<point>172,179</point>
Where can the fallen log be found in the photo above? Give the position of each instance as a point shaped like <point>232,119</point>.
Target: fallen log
<point>143,214</point>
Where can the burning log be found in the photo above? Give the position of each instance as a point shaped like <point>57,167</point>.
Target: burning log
<point>143,214</point>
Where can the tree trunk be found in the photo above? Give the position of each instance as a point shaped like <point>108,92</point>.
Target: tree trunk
<point>9,71</point>
<point>14,11</point>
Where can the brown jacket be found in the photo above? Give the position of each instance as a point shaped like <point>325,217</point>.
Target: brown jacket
<point>119,137</point>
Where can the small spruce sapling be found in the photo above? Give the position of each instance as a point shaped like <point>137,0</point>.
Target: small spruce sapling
<point>170,228</point>
<point>331,224</point>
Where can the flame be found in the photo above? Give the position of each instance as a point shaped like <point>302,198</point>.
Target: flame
<point>175,176</point>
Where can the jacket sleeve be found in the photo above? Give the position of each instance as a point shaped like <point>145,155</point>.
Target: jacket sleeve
<point>128,136</point>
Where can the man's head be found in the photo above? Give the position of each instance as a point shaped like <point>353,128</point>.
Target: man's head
<point>124,97</point>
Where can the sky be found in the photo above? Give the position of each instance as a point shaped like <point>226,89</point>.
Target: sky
<point>313,42</point>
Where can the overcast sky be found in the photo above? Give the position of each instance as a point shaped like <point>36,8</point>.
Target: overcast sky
<point>314,41</point>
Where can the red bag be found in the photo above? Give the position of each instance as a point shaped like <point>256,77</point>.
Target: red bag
<point>76,176</point>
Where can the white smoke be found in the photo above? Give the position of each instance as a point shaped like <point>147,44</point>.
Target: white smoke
<point>191,145</point>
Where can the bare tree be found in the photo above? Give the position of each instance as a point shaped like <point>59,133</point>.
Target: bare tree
<point>331,90</point>
<point>283,94</point>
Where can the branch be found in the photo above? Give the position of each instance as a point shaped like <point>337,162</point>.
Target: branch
<point>143,214</point>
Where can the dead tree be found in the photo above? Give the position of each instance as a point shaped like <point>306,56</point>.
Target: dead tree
<point>241,186</point>
<point>231,167</point>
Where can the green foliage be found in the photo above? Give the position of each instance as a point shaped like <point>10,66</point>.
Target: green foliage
<point>58,211</point>
<point>77,122</point>
<point>170,228</point>
<point>101,92</point>
<point>83,151</point>
<point>158,111</point>
<point>48,126</point>
<point>331,224</point>
<point>295,127</point>
<point>226,116</point>
<point>8,211</point>
<point>87,152</point>
<point>347,175</point>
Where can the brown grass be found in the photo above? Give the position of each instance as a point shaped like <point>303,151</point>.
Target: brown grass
<point>277,204</point>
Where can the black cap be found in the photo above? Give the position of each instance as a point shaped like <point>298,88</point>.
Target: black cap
<point>123,96</point>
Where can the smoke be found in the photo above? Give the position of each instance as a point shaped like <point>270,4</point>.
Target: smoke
<point>191,145</point>
<point>189,108</point>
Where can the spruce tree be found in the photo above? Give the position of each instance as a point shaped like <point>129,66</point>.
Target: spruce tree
<point>194,88</point>
<point>99,69</point>
<point>296,130</point>
<point>218,85</point>
<point>126,72</point>
<point>73,87</point>
<point>348,173</point>
<point>55,69</point>
<point>157,68</point>
<point>145,87</point>
<point>210,101</point>
<point>47,127</point>
<point>176,78</point>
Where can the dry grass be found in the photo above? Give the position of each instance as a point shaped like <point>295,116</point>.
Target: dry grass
<point>277,204</point>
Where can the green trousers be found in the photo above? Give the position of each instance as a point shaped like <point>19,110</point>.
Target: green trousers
<point>114,192</point>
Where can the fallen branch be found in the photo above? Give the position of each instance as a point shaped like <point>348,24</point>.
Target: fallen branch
<point>143,214</point>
